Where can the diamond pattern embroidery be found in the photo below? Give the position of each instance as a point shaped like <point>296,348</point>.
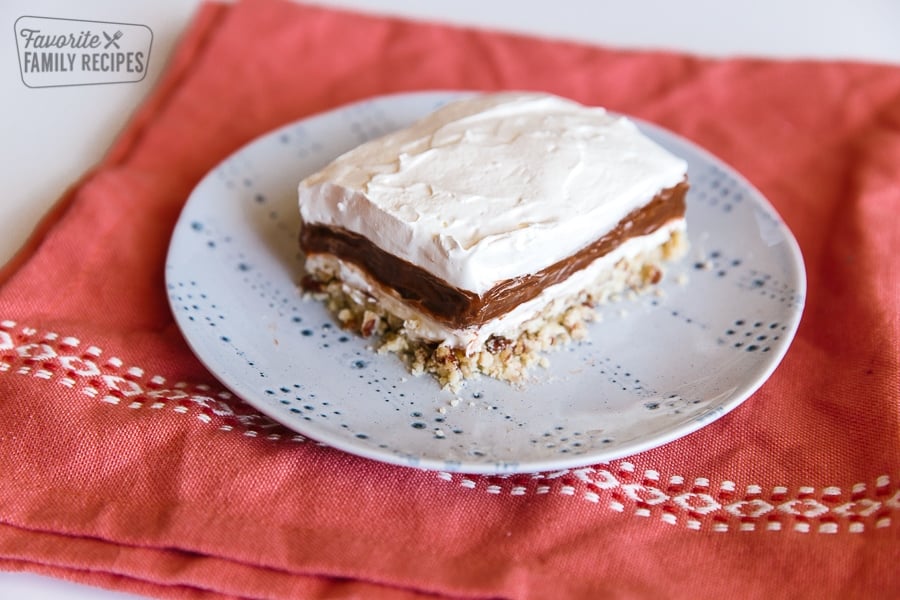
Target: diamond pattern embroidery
<point>615,484</point>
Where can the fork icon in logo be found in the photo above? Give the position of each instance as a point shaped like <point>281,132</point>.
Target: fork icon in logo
<point>112,40</point>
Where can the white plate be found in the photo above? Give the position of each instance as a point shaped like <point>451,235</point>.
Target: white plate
<point>656,368</point>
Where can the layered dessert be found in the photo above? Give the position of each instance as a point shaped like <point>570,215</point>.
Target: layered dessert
<point>485,234</point>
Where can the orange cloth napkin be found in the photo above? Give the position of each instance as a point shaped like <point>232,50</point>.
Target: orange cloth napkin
<point>125,464</point>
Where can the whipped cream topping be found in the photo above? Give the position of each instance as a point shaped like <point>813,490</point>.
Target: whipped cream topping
<point>492,187</point>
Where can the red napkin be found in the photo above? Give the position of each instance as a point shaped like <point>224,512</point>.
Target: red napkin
<point>125,464</point>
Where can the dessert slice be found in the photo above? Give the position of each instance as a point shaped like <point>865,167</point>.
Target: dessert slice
<point>485,233</point>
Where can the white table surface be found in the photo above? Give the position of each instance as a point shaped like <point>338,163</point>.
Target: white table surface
<point>53,135</point>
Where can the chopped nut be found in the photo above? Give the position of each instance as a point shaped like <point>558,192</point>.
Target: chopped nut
<point>369,323</point>
<point>312,285</point>
<point>651,274</point>
<point>495,344</point>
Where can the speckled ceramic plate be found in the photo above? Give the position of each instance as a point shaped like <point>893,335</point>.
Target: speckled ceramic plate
<point>656,368</point>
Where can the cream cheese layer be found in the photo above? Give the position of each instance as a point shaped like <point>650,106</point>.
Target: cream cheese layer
<point>552,301</point>
<point>492,187</point>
